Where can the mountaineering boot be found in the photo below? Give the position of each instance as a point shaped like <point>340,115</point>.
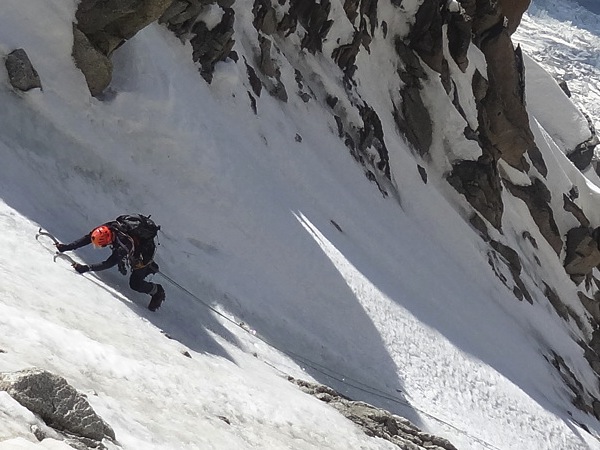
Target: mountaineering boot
<point>157,298</point>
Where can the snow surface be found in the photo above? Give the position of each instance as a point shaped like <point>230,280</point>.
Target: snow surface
<point>393,304</point>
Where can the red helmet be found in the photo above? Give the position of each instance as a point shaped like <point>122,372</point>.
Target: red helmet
<point>102,236</point>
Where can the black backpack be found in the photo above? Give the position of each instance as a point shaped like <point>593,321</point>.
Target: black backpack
<point>138,226</point>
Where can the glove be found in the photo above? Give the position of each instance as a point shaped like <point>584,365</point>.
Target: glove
<point>61,247</point>
<point>81,268</point>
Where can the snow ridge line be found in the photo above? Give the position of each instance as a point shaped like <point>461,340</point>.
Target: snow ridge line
<point>341,378</point>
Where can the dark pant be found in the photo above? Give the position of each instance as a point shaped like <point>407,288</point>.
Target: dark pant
<point>137,282</point>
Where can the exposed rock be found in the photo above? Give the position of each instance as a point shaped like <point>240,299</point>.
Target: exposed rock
<point>422,172</point>
<point>376,422</point>
<point>503,118</point>
<point>513,11</point>
<point>96,67</point>
<point>459,37</point>
<point>479,182</point>
<point>412,116</point>
<point>109,23</point>
<point>104,25</point>
<point>426,34</point>
<point>582,399</point>
<point>267,65</point>
<point>565,87</point>
<point>583,154</point>
<point>371,138</point>
<point>503,114</point>
<point>571,206</point>
<point>21,73</point>
<point>582,252</point>
<point>538,197</point>
<point>480,86</point>
<point>346,54</point>
<point>265,18</point>
<point>592,305</point>
<point>592,353</point>
<point>479,224</point>
<point>561,309</point>
<point>313,15</point>
<point>209,46</point>
<point>514,264</point>
<point>56,402</point>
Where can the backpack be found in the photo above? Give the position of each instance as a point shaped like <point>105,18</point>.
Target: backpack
<point>138,226</point>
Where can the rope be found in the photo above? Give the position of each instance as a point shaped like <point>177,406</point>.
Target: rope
<point>345,380</point>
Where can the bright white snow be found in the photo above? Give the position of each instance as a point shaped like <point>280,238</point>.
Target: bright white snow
<point>400,308</point>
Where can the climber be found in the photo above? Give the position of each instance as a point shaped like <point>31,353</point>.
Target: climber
<point>131,238</point>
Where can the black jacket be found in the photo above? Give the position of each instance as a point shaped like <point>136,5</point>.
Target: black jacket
<point>125,249</point>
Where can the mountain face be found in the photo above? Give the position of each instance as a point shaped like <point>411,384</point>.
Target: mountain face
<point>458,93</point>
<point>461,51</point>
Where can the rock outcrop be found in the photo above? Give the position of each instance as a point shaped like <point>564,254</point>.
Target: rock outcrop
<point>210,43</point>
<point>582,252</point>
<point>376,422</point>
<point>57,403</point>
<point>103,26</point>
<point>21,73</point>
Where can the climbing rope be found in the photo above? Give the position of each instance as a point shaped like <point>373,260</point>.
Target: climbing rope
<point>341,378</point>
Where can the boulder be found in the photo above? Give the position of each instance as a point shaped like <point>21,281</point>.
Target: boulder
<point>21,73</point>
<point>56,402</point>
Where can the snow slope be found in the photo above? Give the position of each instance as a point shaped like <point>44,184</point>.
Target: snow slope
<point>393,304</point>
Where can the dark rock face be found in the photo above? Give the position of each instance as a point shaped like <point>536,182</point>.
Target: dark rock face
<point>209,45</point>
<point>505,119</point>
<point>538,197</point>
<point>426,34</point>
<point>582,252</point>
<point>314,17</point>
<point>514,264</point>
<point>109,23</point>
<point>212,46</point>
<point>503,131</point>
<point>570,206</point>
<point>479,182</point>
<point>365,13</point>
<point>513,11</point>
<point>583,154</point>
<point>56,402</point>
<point>21,73</point>
<point>411,115</point>
<point>104,25</point>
